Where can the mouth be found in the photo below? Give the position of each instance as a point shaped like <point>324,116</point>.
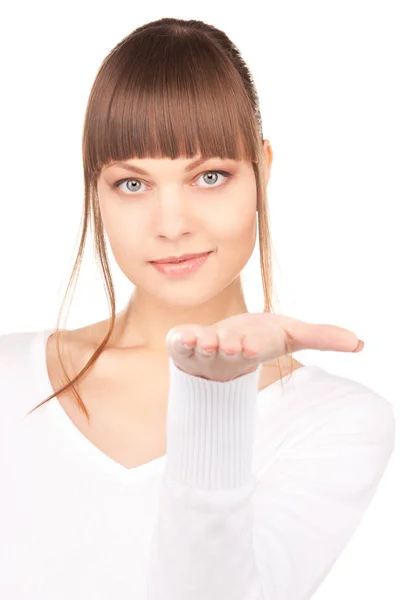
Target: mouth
<point>181,268</point>
<point>178,259</point>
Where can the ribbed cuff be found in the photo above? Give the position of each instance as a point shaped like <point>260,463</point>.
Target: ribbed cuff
<point>210,429</point>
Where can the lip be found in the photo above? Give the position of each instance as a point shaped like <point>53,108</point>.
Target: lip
<point>177,259</point>
<point>183,268</point>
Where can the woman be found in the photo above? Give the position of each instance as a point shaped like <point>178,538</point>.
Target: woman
<point>169,460</point>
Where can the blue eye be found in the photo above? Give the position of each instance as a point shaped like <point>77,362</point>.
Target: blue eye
<point>136,187</point>
<point>212,184</point>
<point>135,184</point>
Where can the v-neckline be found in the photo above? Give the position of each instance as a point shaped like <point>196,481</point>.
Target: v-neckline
<point>61,419</point>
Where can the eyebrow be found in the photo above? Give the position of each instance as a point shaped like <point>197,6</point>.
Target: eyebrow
<point>190,167</point>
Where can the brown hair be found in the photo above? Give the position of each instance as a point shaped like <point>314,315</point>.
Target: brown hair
<point>172,87</point>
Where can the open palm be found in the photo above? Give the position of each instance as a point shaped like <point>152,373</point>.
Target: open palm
<point>239,344</point>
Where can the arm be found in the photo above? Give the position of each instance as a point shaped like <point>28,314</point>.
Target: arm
<point>220,535</point>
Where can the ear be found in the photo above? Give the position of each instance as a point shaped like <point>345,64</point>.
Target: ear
<point>268,152</point>
<point>268,156</point>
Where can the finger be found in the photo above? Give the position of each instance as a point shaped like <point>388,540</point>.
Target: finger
<point>301,335</point>
<point>181,341</point>
<point>251,346</point>
<point>207,343</point>
<point>230,343</point>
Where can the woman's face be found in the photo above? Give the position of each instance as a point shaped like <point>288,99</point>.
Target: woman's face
<point>171,209</point>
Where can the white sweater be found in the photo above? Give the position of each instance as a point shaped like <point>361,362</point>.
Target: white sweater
<point>257,496</point>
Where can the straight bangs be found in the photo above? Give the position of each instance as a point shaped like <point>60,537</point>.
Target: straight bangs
<point>171,88</point>
<point>161,96</point>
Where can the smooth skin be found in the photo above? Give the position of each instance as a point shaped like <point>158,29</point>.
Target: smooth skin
<point>238,345</point>
<point>172,208</point>
<point>166,207</point>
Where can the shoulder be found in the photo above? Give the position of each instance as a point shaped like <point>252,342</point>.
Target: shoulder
<point>316,403</point>
<point>342,405</point>
<point>84,340</point>
<point>273,371</point>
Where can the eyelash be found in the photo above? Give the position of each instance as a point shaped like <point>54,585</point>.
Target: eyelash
<point>224,173</point>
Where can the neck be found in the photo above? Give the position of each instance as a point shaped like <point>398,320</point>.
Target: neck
<point>145,321</point>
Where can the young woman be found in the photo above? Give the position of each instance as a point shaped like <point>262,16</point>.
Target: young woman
<point>159,454</point>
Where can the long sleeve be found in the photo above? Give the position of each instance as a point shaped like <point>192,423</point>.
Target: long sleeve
<point>222,535</point>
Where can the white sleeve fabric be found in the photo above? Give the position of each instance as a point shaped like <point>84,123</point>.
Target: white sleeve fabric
<point>220,534</point>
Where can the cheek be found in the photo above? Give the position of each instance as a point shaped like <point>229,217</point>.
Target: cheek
<point>124,233</point>
<point>236,222</point>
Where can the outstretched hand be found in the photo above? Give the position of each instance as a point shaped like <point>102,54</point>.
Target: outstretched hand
<point>239,344</point>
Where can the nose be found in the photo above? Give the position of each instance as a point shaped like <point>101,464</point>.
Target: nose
<point>172,218</point>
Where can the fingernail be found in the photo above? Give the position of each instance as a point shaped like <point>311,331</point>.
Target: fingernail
<point>205,352</point>
<point>360,346</point>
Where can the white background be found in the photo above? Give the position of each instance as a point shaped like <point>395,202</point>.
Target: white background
<point>332,81</point>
